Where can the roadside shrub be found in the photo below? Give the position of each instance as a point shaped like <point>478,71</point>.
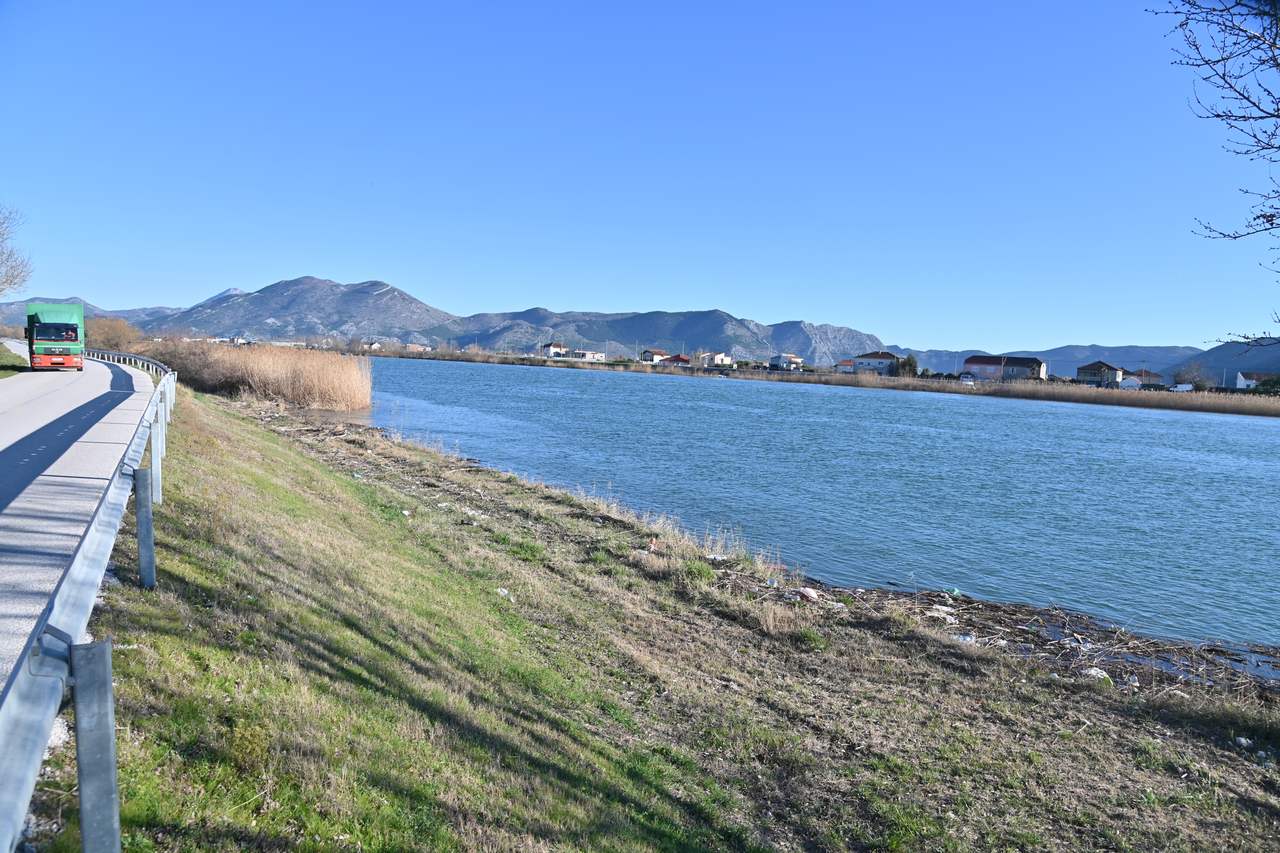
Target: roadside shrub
<point>111,334</point>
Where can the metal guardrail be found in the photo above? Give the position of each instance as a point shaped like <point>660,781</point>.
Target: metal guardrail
<point>34,691</point>
<point>127,358</point>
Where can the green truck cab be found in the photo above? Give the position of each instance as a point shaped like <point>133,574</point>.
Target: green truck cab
<point>55,336</point>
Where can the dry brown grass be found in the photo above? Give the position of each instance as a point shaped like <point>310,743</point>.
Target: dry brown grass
<point>1059,392</point>
<point>308,379</point>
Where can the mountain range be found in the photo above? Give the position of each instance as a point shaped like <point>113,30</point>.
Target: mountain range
<point>375,310</point>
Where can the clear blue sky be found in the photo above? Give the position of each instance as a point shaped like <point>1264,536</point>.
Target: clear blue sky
<point>1003,175</point>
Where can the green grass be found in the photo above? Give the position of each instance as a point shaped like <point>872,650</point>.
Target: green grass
<point>11,363</point>
<point>318,670</point>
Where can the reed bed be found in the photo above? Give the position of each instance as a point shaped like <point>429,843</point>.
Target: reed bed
<point>1227,404</point>
<point>308,379</point>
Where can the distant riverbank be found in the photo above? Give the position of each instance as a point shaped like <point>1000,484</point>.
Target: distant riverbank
<point>1226,404</point>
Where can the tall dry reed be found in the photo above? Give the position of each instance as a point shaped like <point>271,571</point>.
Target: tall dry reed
<point>1061,392</point>
<point>309,379</point>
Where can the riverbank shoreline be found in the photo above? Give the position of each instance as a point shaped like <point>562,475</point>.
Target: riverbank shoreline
<point>358,643</point>
<point>1056,637</point>
<point>1228,404</point>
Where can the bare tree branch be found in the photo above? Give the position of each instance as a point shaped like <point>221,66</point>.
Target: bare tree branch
<point>15,266</point>
<point>1233,46</point>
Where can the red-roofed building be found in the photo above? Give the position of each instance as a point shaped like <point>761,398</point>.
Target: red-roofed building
<point>653,356</point>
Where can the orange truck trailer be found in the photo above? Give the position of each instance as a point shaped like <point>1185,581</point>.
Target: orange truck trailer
<point>55,336</point>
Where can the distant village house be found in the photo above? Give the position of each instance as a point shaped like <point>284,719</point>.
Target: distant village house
<point>786,361</point>
<point>1146,377</point>
<point>553,350</point>
<point>1099,373</point>
<point>676,360</point>
<point>1251,380</point>
<point>711,359</point>
<point>1004,367</point>
<point>587,355</point>
<point>653,356</point>
<point>876,362</point>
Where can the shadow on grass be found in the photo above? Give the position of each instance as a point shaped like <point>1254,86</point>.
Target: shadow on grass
<point>537,739</point>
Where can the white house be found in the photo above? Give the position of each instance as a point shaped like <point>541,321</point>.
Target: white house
<point>1251,380</point>
<point>1130,384</point>
<point>554,350</point>
<point>710,359</point>
<point>847,366</point>
<point>653,356</point>
<point>587,355</point>
<point>786,361</point>
<point>877,362</point>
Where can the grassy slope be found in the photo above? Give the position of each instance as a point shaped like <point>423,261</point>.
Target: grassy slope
<point>11,363</point>
<point>319,670</point>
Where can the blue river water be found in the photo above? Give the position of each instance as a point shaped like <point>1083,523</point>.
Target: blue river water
<point>1162,521</point>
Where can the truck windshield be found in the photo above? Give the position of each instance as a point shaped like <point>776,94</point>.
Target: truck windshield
<point>58,332</point>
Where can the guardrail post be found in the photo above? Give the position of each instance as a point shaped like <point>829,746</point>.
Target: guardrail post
<point>157,457</point>
<point>96,748</point>
<point>146,526</point>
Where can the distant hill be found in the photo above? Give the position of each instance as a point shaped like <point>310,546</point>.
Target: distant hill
<point>1064,360</point>
<point>375,310</point>
<point>1225,360</point>
<point>674,331</point>
<point>16,312</point>
<point>311,306</point>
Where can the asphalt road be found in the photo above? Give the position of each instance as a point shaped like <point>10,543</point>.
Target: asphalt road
<point>62,435</point>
